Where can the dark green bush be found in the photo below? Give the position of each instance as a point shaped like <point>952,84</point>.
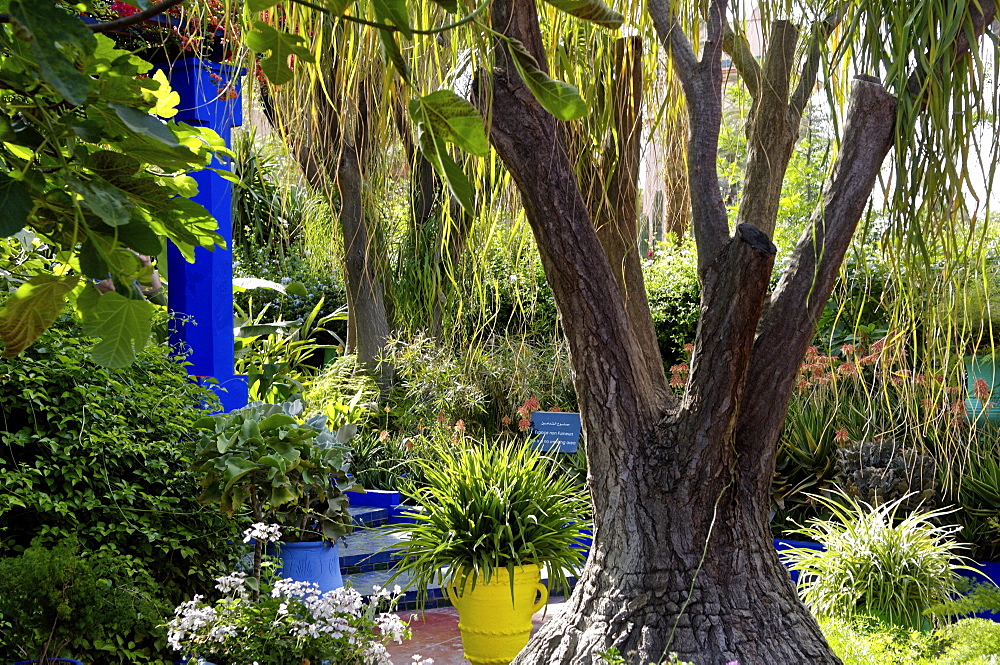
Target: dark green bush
<point>102,455</point>
<point>674,294</point>
<point>54,602</point>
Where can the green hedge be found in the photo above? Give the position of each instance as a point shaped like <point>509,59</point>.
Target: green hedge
<point>674,293</point>
<point>101,455</point>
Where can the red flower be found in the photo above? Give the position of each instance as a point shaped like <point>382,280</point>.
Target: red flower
<point>459,425</point>
<point>523,425</point>
<point>840,436</point>
<point>505,421</point>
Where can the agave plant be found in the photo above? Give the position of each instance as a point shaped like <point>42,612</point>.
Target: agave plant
<point>487,507</point>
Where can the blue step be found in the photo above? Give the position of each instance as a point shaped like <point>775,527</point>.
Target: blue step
<point>368,515</point>
<point>368,549</point>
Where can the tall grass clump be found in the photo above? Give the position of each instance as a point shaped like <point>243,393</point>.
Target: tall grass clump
<point>487,507</point>
<point>876,564</point>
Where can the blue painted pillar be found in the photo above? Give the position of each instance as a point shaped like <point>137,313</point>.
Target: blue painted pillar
<point>203,290</point>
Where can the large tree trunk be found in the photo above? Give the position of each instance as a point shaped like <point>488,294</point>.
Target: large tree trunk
<point>682,557</point>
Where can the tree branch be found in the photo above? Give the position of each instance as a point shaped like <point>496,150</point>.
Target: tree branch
<point>789,323</point>
<point>702,83</point>
<point>673,39</point>
<point>779,57</point>
<point>738,48</point>
<point>733,295</point>
<point>807,80</point>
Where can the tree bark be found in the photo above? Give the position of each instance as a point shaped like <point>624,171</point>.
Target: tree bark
<point>365,292</point>
<point>682,559</point>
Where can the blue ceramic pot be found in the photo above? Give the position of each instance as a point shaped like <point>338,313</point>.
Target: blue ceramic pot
<point>310,562</point>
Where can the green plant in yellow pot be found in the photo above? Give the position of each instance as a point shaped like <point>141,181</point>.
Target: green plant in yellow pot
<point>493,516</point>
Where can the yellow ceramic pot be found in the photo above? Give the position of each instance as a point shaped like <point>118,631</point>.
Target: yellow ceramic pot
<point>495,627</point>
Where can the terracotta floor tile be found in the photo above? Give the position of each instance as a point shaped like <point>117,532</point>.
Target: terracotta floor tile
<point>436,635</point>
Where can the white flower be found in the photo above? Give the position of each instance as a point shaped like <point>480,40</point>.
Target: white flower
<point>269,533</point>
<point>232,582</point>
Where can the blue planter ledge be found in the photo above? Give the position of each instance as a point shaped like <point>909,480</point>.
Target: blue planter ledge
<point>986,571</point>
<point>375,498</point>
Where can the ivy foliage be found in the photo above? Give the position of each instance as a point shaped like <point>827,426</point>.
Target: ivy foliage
<point>102,456</point>
<point>90,164</point>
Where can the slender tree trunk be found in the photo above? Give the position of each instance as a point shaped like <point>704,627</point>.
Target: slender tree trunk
<point>334,162</point>
<point>365,292</point>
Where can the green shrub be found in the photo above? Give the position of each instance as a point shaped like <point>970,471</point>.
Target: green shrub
<point>56,602</point>
<point>868,641</point>
<point>326,286</point>
<point>874,565</point>
<point>102,455</point>
<point>674,295</point>
<point>971,642</point>
<point>480,384</point>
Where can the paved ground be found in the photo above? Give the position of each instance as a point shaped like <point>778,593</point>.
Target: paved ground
<point>435,635</point>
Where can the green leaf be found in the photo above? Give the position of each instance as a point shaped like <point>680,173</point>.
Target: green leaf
<point>275,421</point>
<point>279,45</point>
<point>594,11</point>
<point>138,236</point>
<point>112,165</point>
<point>260,5</point>
<point>558,98</point>
<point>104,200</point>
<point>437,154</point>
<point>57,38</point>
<point>392,55</point>
<point>394,13</point>
<point>123,324</point>
<point>141,122</point>
<point>452,119</point>
<point>280,495</point>
<point>31,310</point>
<point>450,6</point>
<point>16,204</point>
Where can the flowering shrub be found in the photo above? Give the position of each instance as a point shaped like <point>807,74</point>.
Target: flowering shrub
<point>290,622</point>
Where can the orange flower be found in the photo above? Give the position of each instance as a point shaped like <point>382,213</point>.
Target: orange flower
<point>532,404</point>
<point>524,424</point>
<point>677,381</point>
<point>505,421</point>
<point>840,436</point>
<point>689,348</point>
<point>981,389</point>
<point>848,369</point>
<point>847,349</point>
<point>459,425</point>
<point>383,435</point>
<point>958,409</point>
<point>441,418</point>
